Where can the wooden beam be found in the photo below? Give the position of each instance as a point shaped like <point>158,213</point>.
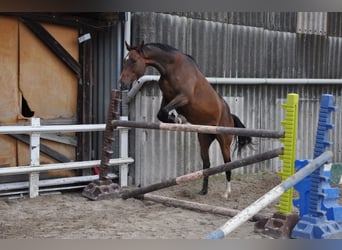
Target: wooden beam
<point>43,148</point>
<point>53,45</point>
<point>89,20</point>
<point>204,208</point>
<point>202,173</point>
<point>65,139</point>
<point>200,128</point>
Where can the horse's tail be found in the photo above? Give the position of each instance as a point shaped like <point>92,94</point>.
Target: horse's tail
<point>240,141</point>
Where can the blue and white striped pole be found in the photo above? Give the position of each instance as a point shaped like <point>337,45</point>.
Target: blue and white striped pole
<point>269,197</point>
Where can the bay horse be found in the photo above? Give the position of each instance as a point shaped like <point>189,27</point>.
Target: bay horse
<point>186,90</point>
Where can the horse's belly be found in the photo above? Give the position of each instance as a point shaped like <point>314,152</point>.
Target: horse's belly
<point>200,116</point>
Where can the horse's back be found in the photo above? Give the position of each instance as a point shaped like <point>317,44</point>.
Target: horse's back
<point>206,106</point>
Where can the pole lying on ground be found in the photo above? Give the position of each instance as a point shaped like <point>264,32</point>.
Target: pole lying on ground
<point>269,197</point>
<point>200,129</point>
<point>196,206</point>
<point>203,173</point>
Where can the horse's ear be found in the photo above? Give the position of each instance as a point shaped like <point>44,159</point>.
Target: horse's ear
<point>140,46</point>
<point>128,47</point>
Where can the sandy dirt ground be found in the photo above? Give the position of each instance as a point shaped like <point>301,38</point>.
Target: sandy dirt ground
<point>71,216</point>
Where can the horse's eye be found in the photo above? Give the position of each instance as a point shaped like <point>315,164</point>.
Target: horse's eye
<point>133,61</point>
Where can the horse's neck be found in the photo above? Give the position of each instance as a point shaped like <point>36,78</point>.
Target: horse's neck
<point>161,62</point>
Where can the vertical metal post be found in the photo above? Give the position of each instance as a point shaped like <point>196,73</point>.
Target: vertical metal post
<point>34,159</point>
<point>127,30</point>
<point>124,154</point>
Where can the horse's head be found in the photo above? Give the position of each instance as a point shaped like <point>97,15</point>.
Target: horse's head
<point>133,66</point>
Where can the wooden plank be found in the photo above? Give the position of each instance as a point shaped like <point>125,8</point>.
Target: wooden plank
<point>9,97</point>
<point>9,93</point>
<point>48,86</point>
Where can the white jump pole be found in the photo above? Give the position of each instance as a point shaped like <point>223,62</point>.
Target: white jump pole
<point>269,197</point>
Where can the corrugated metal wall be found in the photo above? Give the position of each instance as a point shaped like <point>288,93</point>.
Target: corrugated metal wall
<point>107,49</point>
<point>160,155</point>
<point>266,45</point>
<point>230,50</point>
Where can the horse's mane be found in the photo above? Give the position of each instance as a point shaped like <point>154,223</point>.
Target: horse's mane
<point>168,48</point>
<point>162,46</point>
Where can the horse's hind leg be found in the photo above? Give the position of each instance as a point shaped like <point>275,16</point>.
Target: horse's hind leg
<point>225,143</point>
<point>228,188</point>
<point>205,141</point>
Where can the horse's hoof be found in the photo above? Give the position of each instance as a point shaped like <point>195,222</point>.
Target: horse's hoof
<point>226,196</point>
<point>202,192</point>
<point>172,119</point>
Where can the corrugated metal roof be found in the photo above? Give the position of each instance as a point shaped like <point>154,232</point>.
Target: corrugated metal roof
<point>277,21</point>
<point>227,50</point>
<point>314,23</point>
<point>334,24</point>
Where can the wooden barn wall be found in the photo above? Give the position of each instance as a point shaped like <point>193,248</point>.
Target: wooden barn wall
<point>32,76</point>
<point>260,45</point>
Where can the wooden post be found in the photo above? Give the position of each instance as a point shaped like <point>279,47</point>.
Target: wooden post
<point>108,138</point>
<point>104,188</point>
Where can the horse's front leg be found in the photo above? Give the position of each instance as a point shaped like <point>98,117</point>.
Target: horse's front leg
<point>164,114</point>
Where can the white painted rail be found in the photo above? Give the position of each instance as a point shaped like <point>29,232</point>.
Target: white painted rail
<point>35,129</point>
<point>60,166</point>
<point>28,129</point>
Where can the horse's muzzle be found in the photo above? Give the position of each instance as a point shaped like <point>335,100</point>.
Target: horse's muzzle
<point>124,85</point>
